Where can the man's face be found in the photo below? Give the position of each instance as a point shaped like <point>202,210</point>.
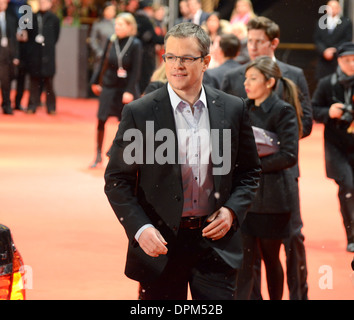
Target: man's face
<point>132,6</point>
<point>194,6</point>
<point>45,5</point>
<point>3,5</point>
<point>258,44</point>
<point>185,77</point>
<point>346,63</point>
<point>335,7</point>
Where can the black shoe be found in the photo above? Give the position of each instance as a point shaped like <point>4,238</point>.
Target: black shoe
<point>19,108</point>
<point>350,247</point>
<point>97,162</point>
<point>30,111</point>
<point>8,110</point>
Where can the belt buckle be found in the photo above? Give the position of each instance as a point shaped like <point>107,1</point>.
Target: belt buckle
<point>199,222</point>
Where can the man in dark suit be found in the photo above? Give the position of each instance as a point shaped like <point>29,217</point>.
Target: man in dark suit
<point>184,12</point>
<point>333,92</point>
<point>329,34</point>
<point>198,16</point>
<point>9,55</point>
<point>42,42</point>
<point>181,204</point>
<point>229,48</point>
<point>263,39</point>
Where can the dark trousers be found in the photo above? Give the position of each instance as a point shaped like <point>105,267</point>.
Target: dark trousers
<point>346,200</point>
<point>192,263</point>
<point>296,266</point>
<point>35,93</point>
<point>20,85</point>
<point>5,80</point>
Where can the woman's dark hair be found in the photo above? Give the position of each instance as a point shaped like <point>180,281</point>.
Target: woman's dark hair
<point>270,69</point>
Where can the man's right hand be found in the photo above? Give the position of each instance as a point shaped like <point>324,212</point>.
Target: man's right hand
<point>152,242</point>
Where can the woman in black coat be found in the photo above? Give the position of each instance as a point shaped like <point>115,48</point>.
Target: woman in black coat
<point>267,221</point>
<point>117,79</point>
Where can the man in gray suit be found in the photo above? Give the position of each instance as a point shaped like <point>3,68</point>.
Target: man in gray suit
<point>263,39</point>
<point>182,203</point>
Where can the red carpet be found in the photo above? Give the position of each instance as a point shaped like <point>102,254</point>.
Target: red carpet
<point>70,239</point>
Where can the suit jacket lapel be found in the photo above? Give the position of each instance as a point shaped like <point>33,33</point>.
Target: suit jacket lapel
<point>216,110</point>
<point>163,112</point>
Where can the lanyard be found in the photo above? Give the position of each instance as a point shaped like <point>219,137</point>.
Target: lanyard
<point>3,24</point>
<point>40,24</point>
<point>120,54</point>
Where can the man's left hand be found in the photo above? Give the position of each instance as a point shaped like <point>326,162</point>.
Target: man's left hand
<point>220,223</point>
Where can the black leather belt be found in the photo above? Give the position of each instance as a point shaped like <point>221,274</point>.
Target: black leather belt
<point>192,222</point>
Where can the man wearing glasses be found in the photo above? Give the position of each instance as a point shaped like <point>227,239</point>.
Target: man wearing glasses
<point>182,215</point>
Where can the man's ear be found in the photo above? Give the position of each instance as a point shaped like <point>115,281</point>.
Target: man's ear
<point>274,43</point>
<point>206,61</point>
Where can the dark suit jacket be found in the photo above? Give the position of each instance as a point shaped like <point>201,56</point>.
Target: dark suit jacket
<point>219,72</point>
<point>153,193</point>
<point>42,57</point>
<point>234,79</point>
<point>10,52</point>
<point>339,145</point>
<point>324,39</point>
<point>203,17</point>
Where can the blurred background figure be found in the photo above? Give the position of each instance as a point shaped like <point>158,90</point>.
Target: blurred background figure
<point>159,15</point>
<point>215,27</point>
<point>116,82</point>
<point>147,35</point>
<point>225,54</point>
<point>198,16</point>
<point>328,36</point>
<point>240,31</point>
<point>185,15</point>
<point>243,12</point>
<point>42,42</point>
<point>8,54</point>
<point>102,30</point>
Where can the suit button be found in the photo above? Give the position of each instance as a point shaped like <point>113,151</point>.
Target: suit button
<point>178,198</point>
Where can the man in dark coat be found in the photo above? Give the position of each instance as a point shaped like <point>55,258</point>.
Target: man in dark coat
<point>229,48</point>
<point>181,211</point>
<point>8,53</point>
<point>42,41</point>
<point>332,94</point>
<point>329,34</point>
